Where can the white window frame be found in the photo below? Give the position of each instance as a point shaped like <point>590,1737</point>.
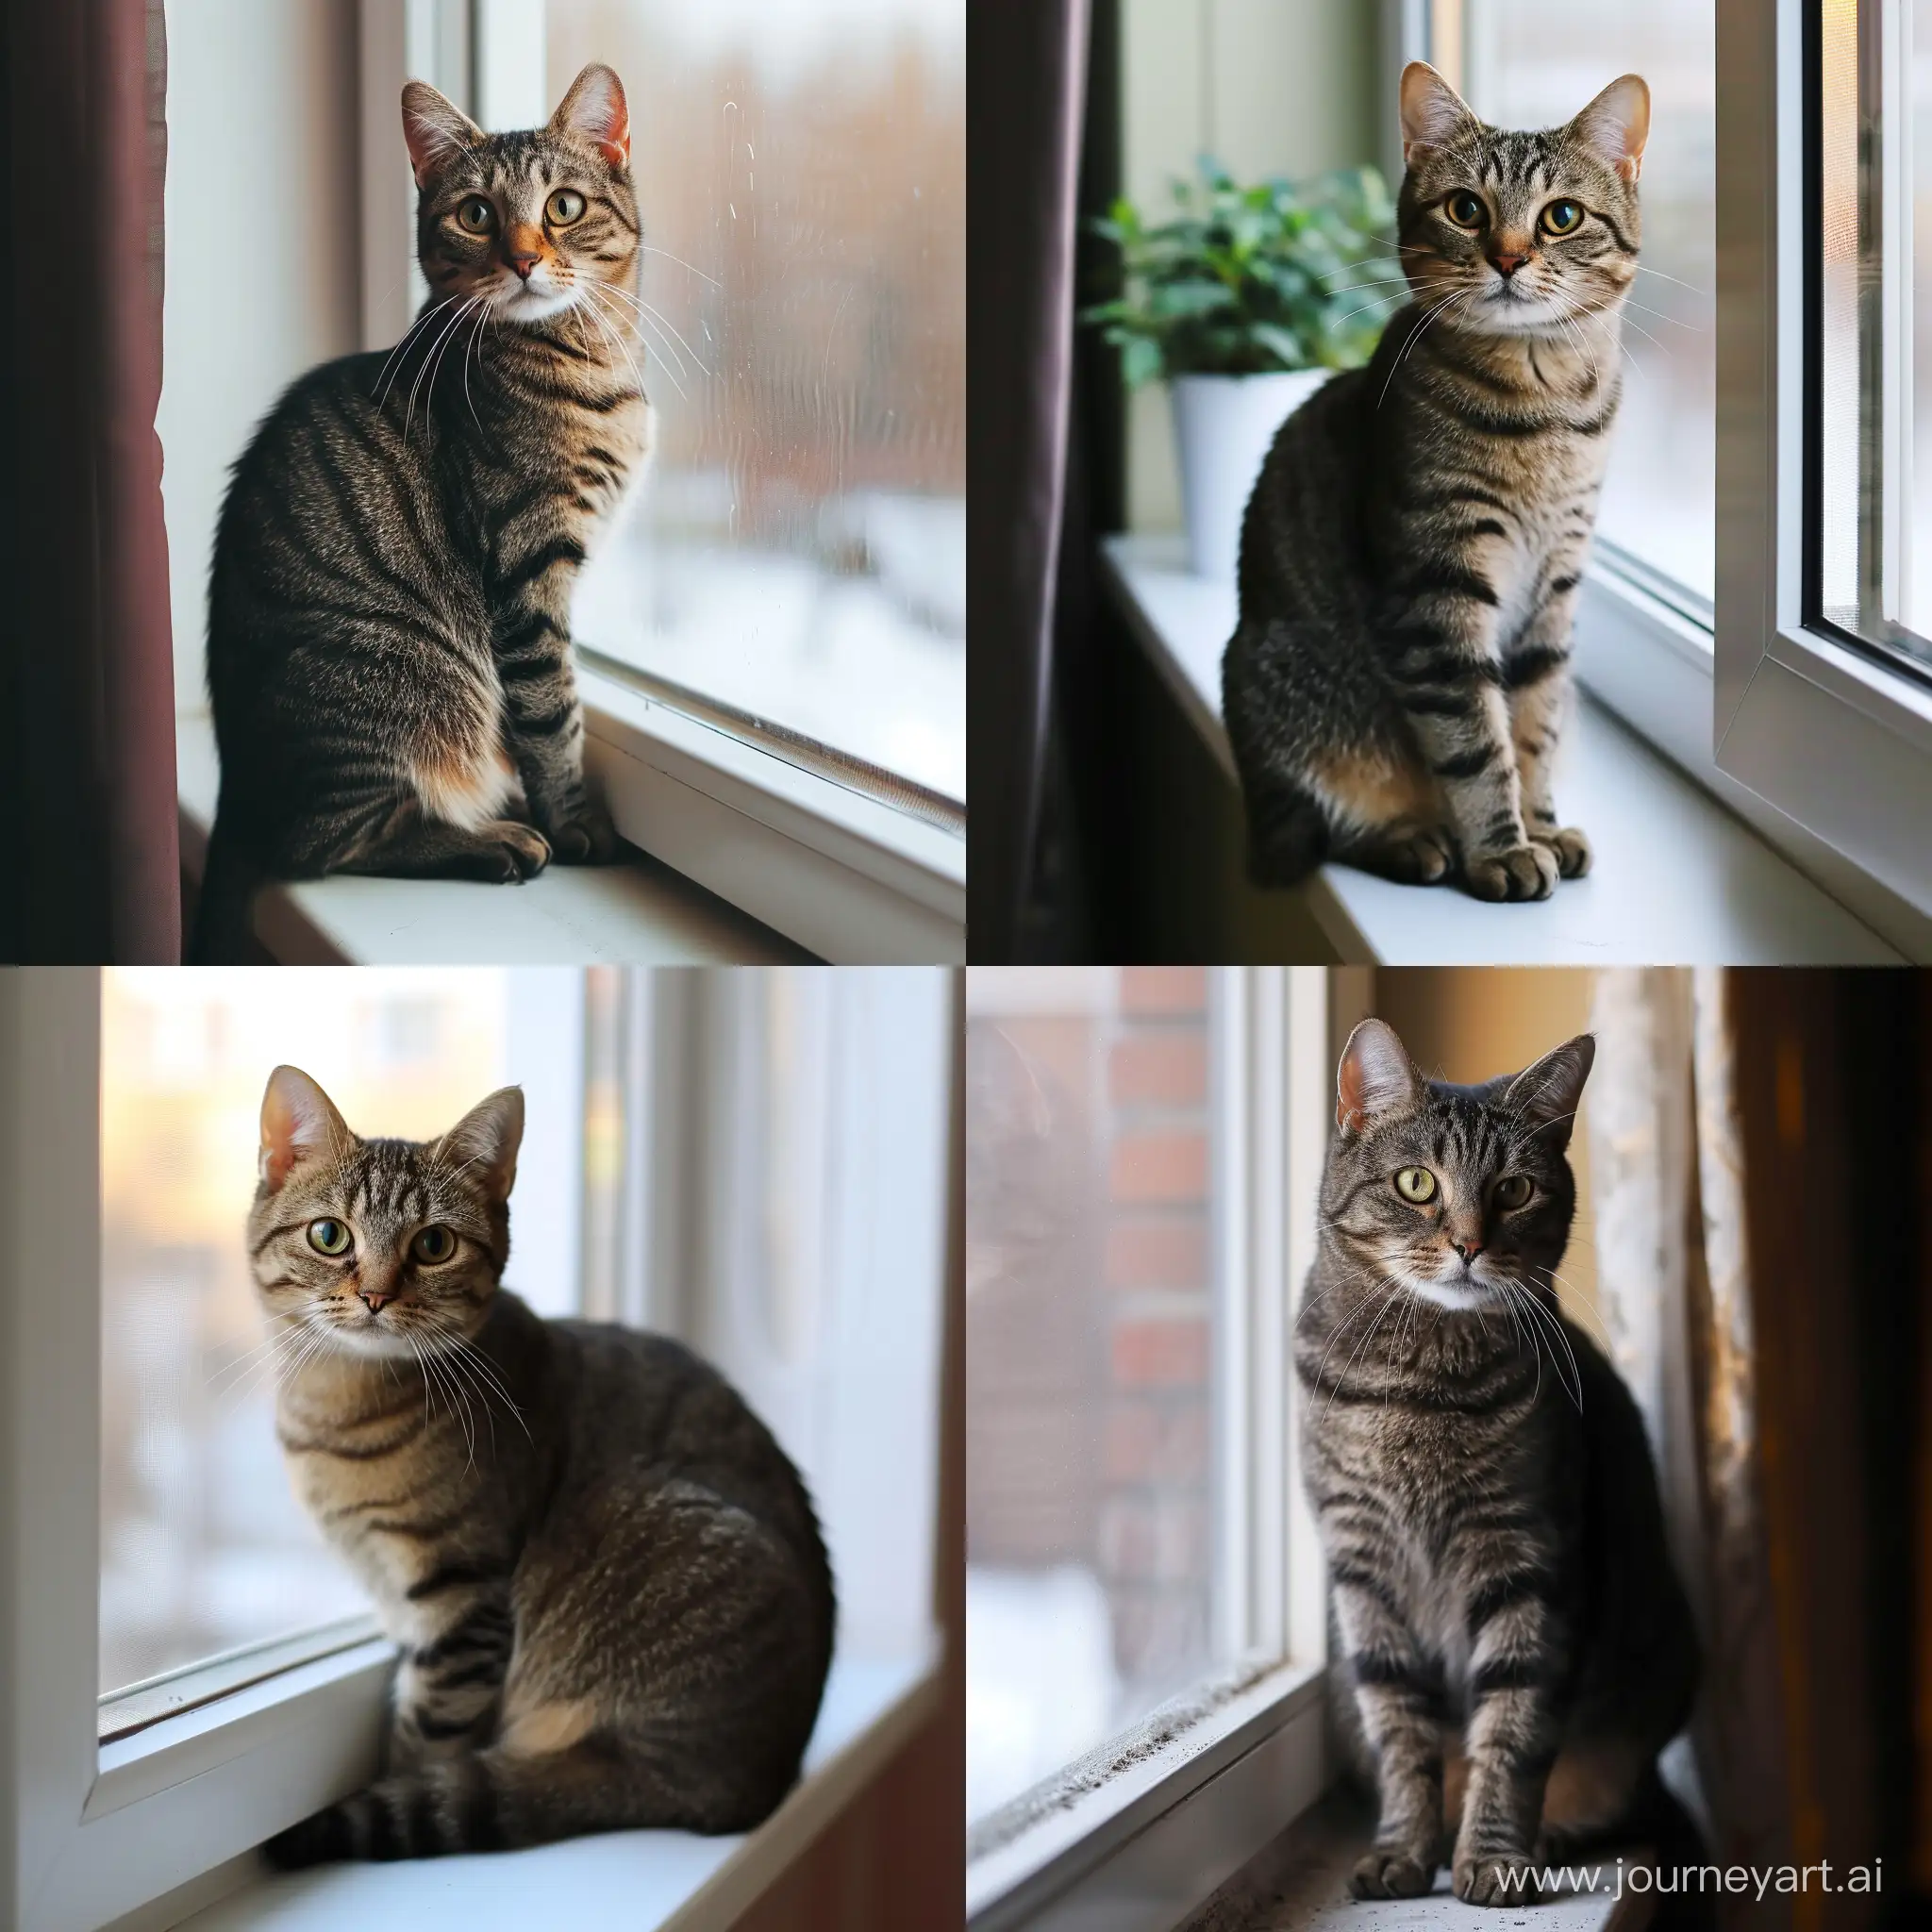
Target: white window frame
<point>1829,735</point>
<point>843,874</point>
<point>1826,755</point>
<point>88,1832</point>
<point>864,1218</point>
<point>167,1818</point>
<point>1155,1839</point>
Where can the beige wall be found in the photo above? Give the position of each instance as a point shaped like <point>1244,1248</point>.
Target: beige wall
<point>264,252</point>
<point>1269,86</point>
<point>1468,1024</point>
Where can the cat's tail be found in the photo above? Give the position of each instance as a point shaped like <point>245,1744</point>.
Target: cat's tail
<point>224,929</point>
<point>498,1800</point>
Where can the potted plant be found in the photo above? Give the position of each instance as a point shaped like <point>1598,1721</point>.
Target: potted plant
<point>1244,303</point>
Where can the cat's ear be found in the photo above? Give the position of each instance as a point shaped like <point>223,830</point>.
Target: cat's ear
<point>435,128</point>
<point>1377,1079</point>
<point>1432,110</point>
<point>1617,124</point>
<point>299,1122</point>
<point>1548,1094</point>
<point>595,110</point>
<point>485,1140</point>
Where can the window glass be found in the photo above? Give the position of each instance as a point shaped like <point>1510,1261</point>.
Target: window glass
<point>203,1549</point>
<point>1534,65</point>
<point>1088,1403</point>
<point>1873,394</point>
<point>797,558</point>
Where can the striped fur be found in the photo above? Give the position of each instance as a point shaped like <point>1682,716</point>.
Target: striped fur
<point>389,608</point>
<point>606,1581</point>
<point>1518,1645</point>
<point>1396,683</point>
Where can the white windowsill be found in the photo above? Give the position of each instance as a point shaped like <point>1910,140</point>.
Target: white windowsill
<point>643,913</point>
<point>1678,879</point>
<point>1299,1883</point>
<point>1168,1822</point>
<point>854,879</point>
<point>644,1881</point>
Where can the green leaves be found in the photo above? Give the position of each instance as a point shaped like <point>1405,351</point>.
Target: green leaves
<point>1243,281</point>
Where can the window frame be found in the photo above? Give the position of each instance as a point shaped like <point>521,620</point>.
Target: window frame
<point>1823,732</point>
<point>1730,700</point>
<point>841,874</point>
<point>90,1832</point>
<point>1156,1839</point>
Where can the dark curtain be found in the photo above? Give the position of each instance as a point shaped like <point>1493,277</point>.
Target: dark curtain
<point>1026,75</point>
<point>87,700</point>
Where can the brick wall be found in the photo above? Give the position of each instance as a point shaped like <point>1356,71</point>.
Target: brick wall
<point>1089,1347</point>
<point>1155,1546</point>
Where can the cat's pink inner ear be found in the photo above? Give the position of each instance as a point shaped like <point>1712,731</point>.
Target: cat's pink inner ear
<point>484,1142</point>
<point>596,109</point>
<point>1617,124</point>
<point>1376,1078</point>
<point>298,1122</point>
<point>434,128</point>
<point>1432,110</point>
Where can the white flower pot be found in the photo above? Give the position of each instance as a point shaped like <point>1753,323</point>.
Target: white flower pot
<point>1223,426</point>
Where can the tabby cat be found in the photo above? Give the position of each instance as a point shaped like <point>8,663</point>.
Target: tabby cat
<point>1397,679</point>
<point>388,611</point>
<point>1518,1645</point>
<point>605,1580</point>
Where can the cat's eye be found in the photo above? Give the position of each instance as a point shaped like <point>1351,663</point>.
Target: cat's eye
<point>1561,218</point>
<point>476,214</point>
<point>1416,1184</point>
<point>328,1237</point>
<point>433,1243</point>
<point>1513,1190</point>
<point>1465,209</point>
<point>564,206</point>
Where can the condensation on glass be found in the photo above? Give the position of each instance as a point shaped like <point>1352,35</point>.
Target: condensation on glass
<point>1873,394</point>
<point>796,563</point>
<point>204,1550</point>
<point>1090,1509</point>
<point>1529,64</point>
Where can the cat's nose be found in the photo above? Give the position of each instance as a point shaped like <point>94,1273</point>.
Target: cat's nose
<point>1468,1250</point>
<point>1507,265</point>
<point>522,248</point>
<point>375,1299</point>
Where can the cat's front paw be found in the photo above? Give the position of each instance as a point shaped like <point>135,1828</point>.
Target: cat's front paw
<point>510,852</point>
<point>1522,871</point>
<point>1495,1878</point>
<point>1570,847</point>
<point>586,838</point>
<point>1392,1872</point>
<point>1418,855</point>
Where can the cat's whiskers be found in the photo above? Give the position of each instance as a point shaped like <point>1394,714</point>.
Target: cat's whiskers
<point>1551,1327</point>
<point>606,328</point>
<point>1379,302</point>
<point>638,320</point>
<point>448,1337</point>
<point>436,368</point>
<point>404,343</point>
<point>651,313</point>
<point>409,408</point>
<point>1644,269</point>
<point>645,248</point>
<point>1408,349</point>
<point>248,1368</point>
<point>1394,1292</point>
<point>470,348</point>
